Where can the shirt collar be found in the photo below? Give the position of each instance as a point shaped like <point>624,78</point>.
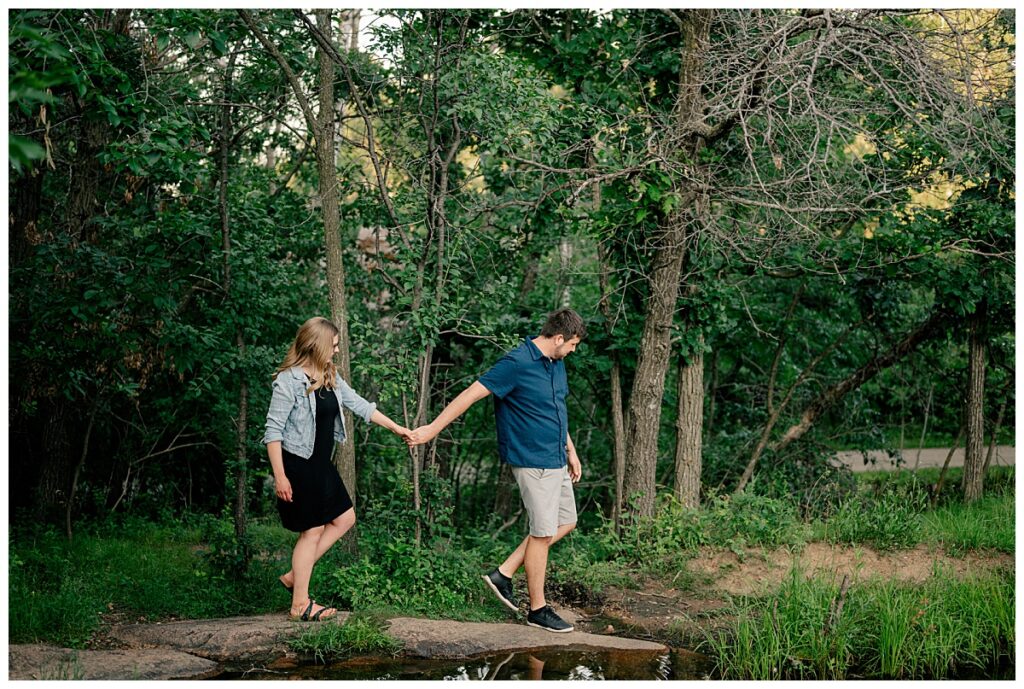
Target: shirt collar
<point>535,352</point>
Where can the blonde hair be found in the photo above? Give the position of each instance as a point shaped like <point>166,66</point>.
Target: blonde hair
<point>314,345</point>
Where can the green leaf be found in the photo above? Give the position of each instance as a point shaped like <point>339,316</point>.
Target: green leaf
<point>23,151</point>
<point>192,39</point>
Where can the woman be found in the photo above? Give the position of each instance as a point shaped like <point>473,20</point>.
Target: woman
<point>304,423</point>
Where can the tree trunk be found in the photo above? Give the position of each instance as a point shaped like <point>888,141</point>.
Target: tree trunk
<point>974,413</point>
<point>93,134</point>
<point>241,468</point>
<point>349,29</point>
<point>345,457</point>
<point>689,424</point>
<point>503,490</point>
<point>669,246</point>
<point>242,463</point>
<point>644,415</point>
<point>55,471</point>
<point>945,467</point>
<point>998,425</point>
<point>78,468</point>
<point>564,297</point>
<point>619,439</point>
<point>615,380</point>
<point>419,452</point>
<point>24,214</point>
<point>924,427</point>
<point>322,126</point>
<point>711,393</point>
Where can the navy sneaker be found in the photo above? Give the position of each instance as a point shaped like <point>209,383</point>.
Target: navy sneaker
<point>502,587</point>
<point>548,619</point>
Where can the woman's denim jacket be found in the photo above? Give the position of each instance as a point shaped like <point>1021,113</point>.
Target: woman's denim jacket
<point>292,414</point>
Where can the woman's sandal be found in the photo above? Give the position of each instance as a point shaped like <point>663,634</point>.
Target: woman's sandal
<point>286,586</point>
<point>316,617</point>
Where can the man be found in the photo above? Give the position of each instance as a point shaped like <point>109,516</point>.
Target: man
<point>529,386</point>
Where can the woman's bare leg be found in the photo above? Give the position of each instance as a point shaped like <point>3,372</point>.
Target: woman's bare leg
<point>331,532</point>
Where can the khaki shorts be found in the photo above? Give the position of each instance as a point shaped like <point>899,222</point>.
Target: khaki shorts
<point>548,498</point>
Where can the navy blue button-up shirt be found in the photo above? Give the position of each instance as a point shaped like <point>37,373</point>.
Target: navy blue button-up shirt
<point>529,405</point>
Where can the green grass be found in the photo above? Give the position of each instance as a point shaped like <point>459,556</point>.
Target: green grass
<point>998,479</point>
<point>940,629</point>
<point>360,634</point>
<point>133,569</point>
<point>912,434</point>
<point>58,590</point>
<point>663,542</point>
<point>889,521</point>
<point>986,524</point>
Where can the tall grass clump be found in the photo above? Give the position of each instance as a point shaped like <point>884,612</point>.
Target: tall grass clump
<point>750,519</point>
<point>985,523</point>
<point>360,634</point>
<point>889,521</point>
<point>659,543</point>
<point>941,628</point>
<point>784,637</point>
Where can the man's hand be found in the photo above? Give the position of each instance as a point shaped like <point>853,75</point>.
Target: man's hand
<point>575,468</point>
<point>423,434</point>
<point>283,488</point>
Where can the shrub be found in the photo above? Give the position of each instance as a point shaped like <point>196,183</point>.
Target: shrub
<point>658,543</point>
<point>577,576</point>
<point>438,577</point>
<point>431,579</point>
<point>889,521</point>
<point>751,519</point>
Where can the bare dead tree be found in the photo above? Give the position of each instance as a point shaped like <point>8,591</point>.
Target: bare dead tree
<point>812,117</point>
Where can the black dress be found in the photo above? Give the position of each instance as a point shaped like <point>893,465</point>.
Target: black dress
<point>318,495</point>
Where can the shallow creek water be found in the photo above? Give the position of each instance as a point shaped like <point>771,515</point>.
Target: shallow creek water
<point>558,665</point>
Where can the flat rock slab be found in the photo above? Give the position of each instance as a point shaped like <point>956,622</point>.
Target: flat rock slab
<point>39,661</point>
<point>259,638</point>
<point>449,639</point>
<point>228,639</point>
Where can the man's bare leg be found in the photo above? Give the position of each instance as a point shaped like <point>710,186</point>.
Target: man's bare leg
<point>514,561</point>
<point>536,563</point>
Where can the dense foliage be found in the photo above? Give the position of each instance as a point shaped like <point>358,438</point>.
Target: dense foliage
<point>511,173</point>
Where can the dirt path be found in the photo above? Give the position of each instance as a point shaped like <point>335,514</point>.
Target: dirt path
<point>679,615</point>
<point>1004,455</point>
<point>760,571</point>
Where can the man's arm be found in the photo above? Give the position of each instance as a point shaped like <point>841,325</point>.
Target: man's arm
<point>454,410</point>
<point>575,468</point>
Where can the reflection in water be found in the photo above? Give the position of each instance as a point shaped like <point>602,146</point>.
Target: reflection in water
<point>565,665</point>
<point>536,668</point>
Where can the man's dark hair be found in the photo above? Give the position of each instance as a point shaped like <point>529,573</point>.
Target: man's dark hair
<point>564,322</point>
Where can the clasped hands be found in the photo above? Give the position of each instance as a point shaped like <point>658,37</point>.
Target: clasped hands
<point>420,435</point>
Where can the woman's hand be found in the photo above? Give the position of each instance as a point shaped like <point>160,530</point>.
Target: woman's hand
<point>423,434</point>
<point>283,488</point>
<point>402,432</point>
